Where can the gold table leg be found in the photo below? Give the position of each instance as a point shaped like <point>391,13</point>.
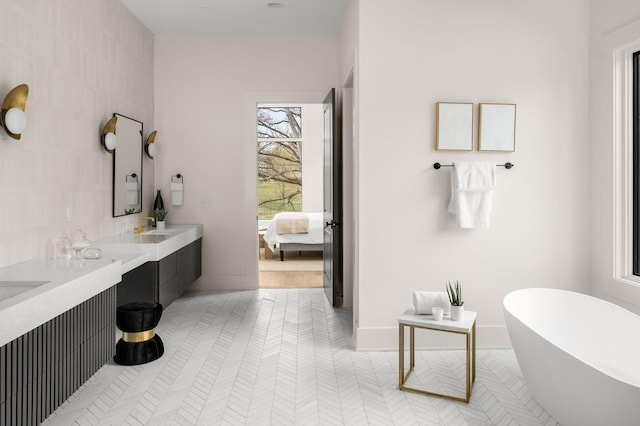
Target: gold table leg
<point>470,373</point>
<point>412,347</point>
<point>401,356</point>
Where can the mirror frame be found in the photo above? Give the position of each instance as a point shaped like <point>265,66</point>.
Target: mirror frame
<point>120,189</point>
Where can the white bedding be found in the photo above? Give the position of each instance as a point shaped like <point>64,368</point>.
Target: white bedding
<point>314,236</point>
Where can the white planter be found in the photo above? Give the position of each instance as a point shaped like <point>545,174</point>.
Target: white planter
<point>457,313</point>
<point>160,224</point>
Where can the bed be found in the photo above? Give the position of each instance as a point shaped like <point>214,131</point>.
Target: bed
<point>296,240</point>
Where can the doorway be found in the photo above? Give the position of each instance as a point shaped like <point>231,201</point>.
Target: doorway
<point>289,179</point>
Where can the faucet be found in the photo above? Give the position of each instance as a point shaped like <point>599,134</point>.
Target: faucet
<point>137,230</point>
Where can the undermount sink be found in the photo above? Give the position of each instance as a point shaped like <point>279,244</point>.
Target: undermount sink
<point>151,238</point>
<point>8,289</point>
<point>157,232</point>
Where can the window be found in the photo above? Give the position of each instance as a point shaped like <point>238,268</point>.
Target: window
<point>626,162</point>
<point>279,160</point>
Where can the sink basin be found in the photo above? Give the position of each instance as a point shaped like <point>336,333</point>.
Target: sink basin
<point>8,289</point>
<point>156,232</point>
<point>151,238</point>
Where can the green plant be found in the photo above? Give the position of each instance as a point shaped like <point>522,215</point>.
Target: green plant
<point>455,293</point>
<point>160,214</point>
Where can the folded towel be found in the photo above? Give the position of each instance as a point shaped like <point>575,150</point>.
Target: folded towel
<point>292,223</point>
<point>423,301</point>
<point>132,193</point>
<point>177,189</point>
<point>472,184</point>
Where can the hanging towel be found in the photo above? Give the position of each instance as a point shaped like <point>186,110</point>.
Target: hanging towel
<point>177,189</point>
<point>132,193</point>
<point>424,301</point>
<point>472,185</point>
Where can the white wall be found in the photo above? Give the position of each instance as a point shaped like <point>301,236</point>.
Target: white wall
<point>206,92</point>
<point>349,75</point>
<point>414,53</point>
<point>83,61</point>
<point>614,25</point>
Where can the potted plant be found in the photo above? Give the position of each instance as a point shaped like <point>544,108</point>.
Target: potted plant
<point>455,298</point>
<point>160,214</point>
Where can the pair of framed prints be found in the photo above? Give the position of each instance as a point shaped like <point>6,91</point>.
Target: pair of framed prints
<point>496,127</point>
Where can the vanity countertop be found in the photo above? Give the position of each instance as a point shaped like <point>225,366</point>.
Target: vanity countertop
<point>155,244</point>
<point>35,291</point>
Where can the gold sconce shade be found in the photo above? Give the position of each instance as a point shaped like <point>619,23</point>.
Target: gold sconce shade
<point>109,140</point>
<point>13,117</point>
<point>150,146</point>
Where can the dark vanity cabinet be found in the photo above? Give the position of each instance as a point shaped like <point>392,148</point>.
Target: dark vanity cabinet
<point>178,271</point>
<point>164,280</point>
<point>138,285</point>
<point>42,368</point>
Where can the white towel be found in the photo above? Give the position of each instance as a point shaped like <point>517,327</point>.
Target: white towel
<point>132,193</point>
<point>472,185</point>
<point>177,189</point>
<point>424,301</point>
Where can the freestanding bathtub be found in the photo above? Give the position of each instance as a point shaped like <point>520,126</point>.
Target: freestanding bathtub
<point>579,355</point>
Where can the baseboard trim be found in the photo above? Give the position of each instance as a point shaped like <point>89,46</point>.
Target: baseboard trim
<point>381,339</point>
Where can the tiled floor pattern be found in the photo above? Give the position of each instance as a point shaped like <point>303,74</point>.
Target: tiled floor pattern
<point>284,357</point>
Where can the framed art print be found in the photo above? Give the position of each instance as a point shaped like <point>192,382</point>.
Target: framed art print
<point>497,127</point>
<point>454,126</point>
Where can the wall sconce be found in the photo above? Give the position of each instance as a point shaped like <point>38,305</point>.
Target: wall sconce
<point>109,140</point>
<point>150,146</point>
<point>13,118</point>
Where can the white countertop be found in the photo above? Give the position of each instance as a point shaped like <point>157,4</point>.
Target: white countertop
<point>35,291</point>
<point>409,317</point>
<point>64,287</point>
<point>155,244</point>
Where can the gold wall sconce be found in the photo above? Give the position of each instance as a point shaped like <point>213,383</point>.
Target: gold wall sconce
<point>13,117</point>
<point>109,140</point>
<point>150,146</point>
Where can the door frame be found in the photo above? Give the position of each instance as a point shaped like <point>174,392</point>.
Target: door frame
<point>333,278</point>
<point>250,217</point>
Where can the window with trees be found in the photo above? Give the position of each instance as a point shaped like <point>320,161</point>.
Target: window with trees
<point>279,160</point>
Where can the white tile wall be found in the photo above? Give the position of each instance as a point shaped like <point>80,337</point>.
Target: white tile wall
<point>83,61</point>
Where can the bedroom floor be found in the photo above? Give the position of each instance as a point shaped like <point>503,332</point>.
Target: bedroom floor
<point>299,270</point>
<point>285,357</point>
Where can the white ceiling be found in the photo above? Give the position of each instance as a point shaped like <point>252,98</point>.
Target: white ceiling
<point>240,17</point>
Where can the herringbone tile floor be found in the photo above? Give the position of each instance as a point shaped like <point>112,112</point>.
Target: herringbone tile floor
<point>284,357</point>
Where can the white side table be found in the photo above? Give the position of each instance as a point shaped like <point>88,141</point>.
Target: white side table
<point>466,327</point>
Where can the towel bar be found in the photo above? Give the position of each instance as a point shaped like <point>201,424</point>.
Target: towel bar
<point>505,165</point>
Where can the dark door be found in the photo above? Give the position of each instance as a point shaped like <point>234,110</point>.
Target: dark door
<point>332,281</point>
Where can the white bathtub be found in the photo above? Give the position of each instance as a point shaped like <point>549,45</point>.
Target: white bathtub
<point>579,355</point>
